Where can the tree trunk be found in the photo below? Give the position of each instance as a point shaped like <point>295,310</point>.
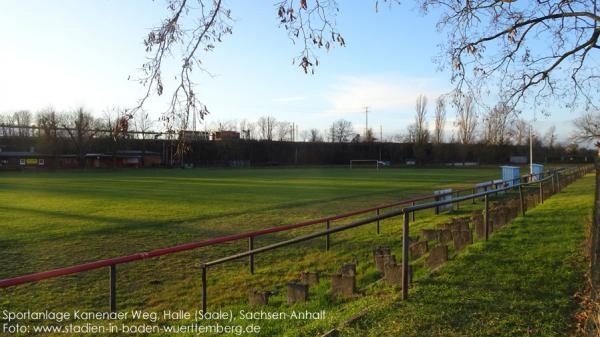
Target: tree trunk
<point>595,231</point>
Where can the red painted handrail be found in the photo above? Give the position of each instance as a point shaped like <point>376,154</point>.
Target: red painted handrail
<point>187,246</point>
<point>5,283</point>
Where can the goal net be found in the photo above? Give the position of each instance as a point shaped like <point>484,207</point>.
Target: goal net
<point>365,163</point>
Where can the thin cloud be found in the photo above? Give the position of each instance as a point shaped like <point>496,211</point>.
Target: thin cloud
<point>289,99</point>
<point>351,94</point>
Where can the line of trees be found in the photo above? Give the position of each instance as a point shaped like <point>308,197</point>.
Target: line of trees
<point>77,124</point>
<point>75,130</point>
<point>500,125</point>
<point>78,132</point>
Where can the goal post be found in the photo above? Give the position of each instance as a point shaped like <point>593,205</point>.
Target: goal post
<point>365,163</point>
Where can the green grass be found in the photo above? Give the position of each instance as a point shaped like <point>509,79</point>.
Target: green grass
<point>520,283</point>
<point>57,219</point>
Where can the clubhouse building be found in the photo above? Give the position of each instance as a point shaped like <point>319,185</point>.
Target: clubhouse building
<point>31,160</point>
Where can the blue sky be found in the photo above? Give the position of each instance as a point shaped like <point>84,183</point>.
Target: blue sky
<point>80,53</point>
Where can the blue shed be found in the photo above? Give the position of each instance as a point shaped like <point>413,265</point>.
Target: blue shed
<point>511,175</point>
<point>538,171</point>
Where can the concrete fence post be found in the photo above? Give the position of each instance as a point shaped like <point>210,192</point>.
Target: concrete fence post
<point>378,222</point>
<point>327,243</point>
<point>522,200</point>
<point>405,257</point>
<point>486,216</point>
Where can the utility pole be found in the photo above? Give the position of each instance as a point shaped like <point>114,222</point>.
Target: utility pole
<point>531,144</point>
<point>194,122</point>
<point>530,151</point>
<point>366,121</point>
<point>380,133</point>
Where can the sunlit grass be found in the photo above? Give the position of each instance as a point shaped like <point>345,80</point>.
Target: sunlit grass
<point>520,283</point>
<point>59,219</point>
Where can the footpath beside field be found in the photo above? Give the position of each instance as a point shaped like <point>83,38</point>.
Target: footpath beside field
<point>520,283</point>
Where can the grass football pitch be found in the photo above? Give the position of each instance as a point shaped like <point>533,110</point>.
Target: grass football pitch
<point>57,219</point>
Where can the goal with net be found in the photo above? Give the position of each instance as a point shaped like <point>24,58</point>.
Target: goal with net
<point>367,163</point>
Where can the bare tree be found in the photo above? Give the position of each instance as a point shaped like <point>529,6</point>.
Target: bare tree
<point>194,27</point>
<point>143,123</point>
<point>23,119</point>
<point>312,24</point>
<point>399,137</point>
<point>466,118</point>
<point>370,136</point>
<point>116,123</point>
<point>81,127</point>
<point>421,131</point>
<point>211,23</point>
<point>110,117</point>
<point>8,128</point>
<point>247,129</point>
<point>453,138</point>
<point>411,134</point>
<point>543,47</point>
<point>550,137</point>
<point>283,130</point>
<point>341,131</point>
<point>520,131</point>
<point>587,128</point>
<point>4,128</point>
<point>224,125</point>
<point>266,125</point>
<point>492,43</point>
<point>496,124</point>
<point>440,120</point>
<point>49,123</point>
<point>315,136</point>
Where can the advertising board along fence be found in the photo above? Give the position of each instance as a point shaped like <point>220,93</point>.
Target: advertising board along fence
<point>445,194</point>
<point>113,262</point>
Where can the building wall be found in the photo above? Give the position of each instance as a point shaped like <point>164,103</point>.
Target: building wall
<point>25,162</point>
<point>152,161</point>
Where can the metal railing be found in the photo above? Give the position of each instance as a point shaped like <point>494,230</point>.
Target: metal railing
<point>250,236</point>
<point>406,212</point>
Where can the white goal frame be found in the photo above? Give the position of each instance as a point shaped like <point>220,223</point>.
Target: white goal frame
<point>377,162</point>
